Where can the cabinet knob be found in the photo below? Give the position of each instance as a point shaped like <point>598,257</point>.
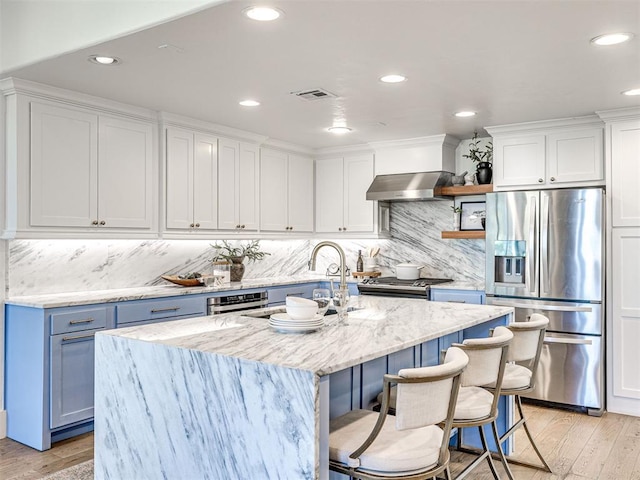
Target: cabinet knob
<point>540,180</point>
<point>197,225</point>
<point>238,226</point>
<point>192,225</point>
<point>290,228</point>
<point>242,226</point>
<point>339,229</point>
<point>553,179</point>
<point>344,229</point>
<point>95,222</point>
<point>103,222</point>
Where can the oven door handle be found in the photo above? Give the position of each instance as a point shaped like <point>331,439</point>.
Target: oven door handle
<point>238,306</point>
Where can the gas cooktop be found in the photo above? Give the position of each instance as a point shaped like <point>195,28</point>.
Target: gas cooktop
<point>391,286</point>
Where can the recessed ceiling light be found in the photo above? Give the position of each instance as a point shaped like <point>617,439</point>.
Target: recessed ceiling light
<point>339,130</point>
<point>249,103</point>
<point>262,14</point>
<point>633,91</point>
<point>465,113</point>
<point>612,38</point>
<point>104,60</point>
<point>393,78</point>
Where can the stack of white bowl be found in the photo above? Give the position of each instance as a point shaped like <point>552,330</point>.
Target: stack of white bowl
<point>301,316</point>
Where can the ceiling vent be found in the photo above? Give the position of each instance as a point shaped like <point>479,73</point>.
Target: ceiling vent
<point>314,94</point>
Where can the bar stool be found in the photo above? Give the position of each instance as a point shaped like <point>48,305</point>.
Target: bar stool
<point>477,406</point>
<point>410,445</point>
<point>520,377</point>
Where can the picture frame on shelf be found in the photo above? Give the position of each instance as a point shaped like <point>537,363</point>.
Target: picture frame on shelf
<point>472,216</point>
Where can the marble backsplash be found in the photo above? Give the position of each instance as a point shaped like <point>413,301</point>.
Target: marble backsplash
<point>56,266</point>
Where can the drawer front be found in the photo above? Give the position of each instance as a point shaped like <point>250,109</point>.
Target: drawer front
<point>77,320</point>
<point>173,307</point>
<point>457,296</point>
<point>278,296</point>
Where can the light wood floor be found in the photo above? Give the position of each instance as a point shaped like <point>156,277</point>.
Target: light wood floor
<point>577,447</point>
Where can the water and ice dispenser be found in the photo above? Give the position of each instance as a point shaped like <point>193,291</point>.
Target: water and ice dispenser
<point>510,261</point>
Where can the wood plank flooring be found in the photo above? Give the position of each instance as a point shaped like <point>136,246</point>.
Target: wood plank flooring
<point>577,447</point>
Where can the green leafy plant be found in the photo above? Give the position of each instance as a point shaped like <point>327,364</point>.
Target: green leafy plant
<point>228,252</point>
<point>456,209</point>
<point>477,154</point>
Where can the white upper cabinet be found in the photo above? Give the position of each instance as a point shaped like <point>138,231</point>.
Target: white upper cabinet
<point>238,185</point>
<point>625,172</point>
<point>89,170</point>
<point>341,188</point>
<point>192,180</point>
<point>550,154</point>
<point>286,192</point>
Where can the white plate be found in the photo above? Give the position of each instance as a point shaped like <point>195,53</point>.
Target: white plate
<point>296,325</point>
<point>285,318</point>
<point>290,329</point>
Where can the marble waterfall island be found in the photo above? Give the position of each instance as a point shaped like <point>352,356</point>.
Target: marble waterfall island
<point>228,397</point>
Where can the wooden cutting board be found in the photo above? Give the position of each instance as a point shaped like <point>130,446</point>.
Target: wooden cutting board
<point>366,274</point>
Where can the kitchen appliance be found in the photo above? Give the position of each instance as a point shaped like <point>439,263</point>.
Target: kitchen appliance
<point>234,303</point>
<point>545,254</point>
<point>409,186</point>
<point>394,287</point>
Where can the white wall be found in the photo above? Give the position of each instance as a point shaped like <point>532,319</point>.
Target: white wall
<point>34,30</point>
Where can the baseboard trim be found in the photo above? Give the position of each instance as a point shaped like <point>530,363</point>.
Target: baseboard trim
<point>3,423</point>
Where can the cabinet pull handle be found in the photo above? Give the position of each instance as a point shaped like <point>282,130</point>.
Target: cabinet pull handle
<point>77,337</point>
<point>95,222</point>
<point>168,309</point>
<point>456,301</point>
<point>540,180</point>
<point>295,294</point>
<point>103,222</point>
<point>84,320</point>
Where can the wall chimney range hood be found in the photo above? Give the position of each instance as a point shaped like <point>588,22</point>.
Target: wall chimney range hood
<point>409,186</point>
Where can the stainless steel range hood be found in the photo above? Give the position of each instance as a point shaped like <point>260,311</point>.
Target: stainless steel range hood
<point>409,186</point>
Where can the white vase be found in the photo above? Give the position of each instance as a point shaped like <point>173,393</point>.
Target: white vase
<point>456,221</point>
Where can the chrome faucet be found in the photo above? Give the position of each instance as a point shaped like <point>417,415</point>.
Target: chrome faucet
<point>343,266</point>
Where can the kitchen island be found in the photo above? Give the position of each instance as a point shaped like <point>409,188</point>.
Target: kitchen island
<point>228,397</point>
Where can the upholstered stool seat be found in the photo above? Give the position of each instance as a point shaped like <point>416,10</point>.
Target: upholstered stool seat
<point>410,445</point>
<point>473,403</point>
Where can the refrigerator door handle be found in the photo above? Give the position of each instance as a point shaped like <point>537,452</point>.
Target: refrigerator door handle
<point>532,248</point>
<point>544,244</point>
<point>550,308</point>
<point>571,341</point>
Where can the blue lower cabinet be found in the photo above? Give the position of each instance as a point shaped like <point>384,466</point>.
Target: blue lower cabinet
<point>457,296</point>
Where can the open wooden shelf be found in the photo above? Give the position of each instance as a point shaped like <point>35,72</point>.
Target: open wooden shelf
<point>464,234</point>
<point>470,190</point>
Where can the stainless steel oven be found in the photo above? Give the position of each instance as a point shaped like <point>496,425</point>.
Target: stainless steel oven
<point>237,302</point>
<point>392,287</point>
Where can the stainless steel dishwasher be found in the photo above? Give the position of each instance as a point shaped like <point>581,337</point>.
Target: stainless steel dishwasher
<point>236,302</point>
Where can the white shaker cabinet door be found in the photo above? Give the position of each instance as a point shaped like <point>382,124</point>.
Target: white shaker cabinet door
<point>329,195</point>
<point>228,153</point>
<point>625,172</point>
<point>300,193</point>
<point>248,186</point>
<point>205,182</point>
<point>64,167</point>
<point>519,161</point>
<point>575,156</point>
<point>179,178</point>
<point>273,190</point>
<point>358,211</point>
<point>125,173</point>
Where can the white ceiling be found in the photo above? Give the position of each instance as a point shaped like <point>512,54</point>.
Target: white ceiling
<point>511,61</point>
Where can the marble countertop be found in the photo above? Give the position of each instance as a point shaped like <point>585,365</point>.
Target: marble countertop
<point>69,299</point>
<point>378,326</point>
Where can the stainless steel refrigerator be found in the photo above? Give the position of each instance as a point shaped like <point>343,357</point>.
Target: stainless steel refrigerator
<point>545,254</point>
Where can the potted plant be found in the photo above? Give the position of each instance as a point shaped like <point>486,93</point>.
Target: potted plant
<point>482,158</point>
<point>456,217</point>
<point>235,256</point>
